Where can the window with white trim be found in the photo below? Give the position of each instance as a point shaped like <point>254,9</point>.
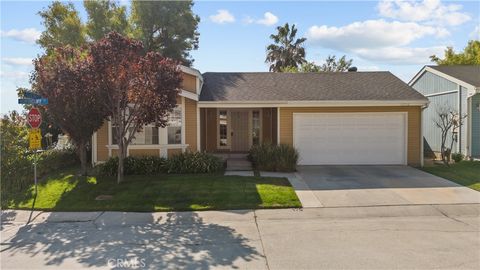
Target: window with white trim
<point>174,128</point>
<point>148,135</point>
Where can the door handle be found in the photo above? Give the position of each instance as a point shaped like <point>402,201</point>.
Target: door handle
<point>231,133</point>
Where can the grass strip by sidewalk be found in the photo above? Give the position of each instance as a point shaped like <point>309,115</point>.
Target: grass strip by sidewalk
<point>466,173</point>
<point>63,191</point>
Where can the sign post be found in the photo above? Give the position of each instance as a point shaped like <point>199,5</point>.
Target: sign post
<point>34,119</point>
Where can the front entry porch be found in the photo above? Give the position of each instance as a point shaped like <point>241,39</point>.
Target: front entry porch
<point>235,130</point>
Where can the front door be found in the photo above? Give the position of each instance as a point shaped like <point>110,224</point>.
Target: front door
<point>239,131</point>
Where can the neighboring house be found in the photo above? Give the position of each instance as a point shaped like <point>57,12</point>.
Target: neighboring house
<point>331,118</point>
<point>457,88</point>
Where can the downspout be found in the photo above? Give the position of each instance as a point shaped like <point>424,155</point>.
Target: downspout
<point>422,154</point>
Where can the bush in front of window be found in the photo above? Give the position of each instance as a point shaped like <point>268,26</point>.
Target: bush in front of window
<point>188,162</point>
<point>193,162</point>
<point>274,158</point>
<point>148,165</point>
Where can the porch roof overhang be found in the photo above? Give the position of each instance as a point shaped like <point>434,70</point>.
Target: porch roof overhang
<point>313,103</point>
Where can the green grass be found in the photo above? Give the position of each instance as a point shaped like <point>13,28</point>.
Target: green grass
<point>466,173</point>
<point>63,191</point>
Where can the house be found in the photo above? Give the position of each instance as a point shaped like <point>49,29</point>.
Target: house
<point>331,118</point>
<point>456,88</point>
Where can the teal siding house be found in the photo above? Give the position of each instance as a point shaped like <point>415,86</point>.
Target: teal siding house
<point>455,87</point>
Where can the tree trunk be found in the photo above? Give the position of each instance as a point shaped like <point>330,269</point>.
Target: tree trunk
<point>121,157</point>
<point>82,152</point>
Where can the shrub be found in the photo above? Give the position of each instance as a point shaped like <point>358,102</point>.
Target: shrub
<point>18,175</point>
<point>147,165</point>
<point>277,158</point>
<point>188,162</point>
<point>457,157</point>
<point>193,162</point>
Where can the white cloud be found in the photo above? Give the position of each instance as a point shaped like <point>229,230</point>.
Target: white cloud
<point>267,20</point>
<point>400,55</point>
<point>431,11</point>
<point>18,61</point>
<point>14,74</point>
<point>370,34</point>
<point>29,35</point>
<point>475,34</point>
<point>379,40</point>
<point>222,16</point>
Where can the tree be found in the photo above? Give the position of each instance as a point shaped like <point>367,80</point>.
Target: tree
<point>67,78</point>
<point>105,17</point>
<point>286,51</point>
<point>136,89</point>
<point>167,27</point>
<point>331,65</point>
<point>62,27</point>
<point>469,56</point>
<point>448,120</point>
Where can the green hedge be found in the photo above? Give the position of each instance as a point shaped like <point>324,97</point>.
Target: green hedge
<point>188,162</point>
<point>275,158</point>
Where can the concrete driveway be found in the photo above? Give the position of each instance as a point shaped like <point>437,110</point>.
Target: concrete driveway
<point>340,186</point>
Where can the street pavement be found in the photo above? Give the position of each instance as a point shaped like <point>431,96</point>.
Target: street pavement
<point>376,237</point>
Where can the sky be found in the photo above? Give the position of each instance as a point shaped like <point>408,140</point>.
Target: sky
<point>396,36</point>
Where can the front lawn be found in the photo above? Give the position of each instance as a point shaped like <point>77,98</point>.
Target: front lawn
<point>465,173</point>
<point>63,191</point>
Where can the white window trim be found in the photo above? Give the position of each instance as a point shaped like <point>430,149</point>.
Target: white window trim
<point>163,145</point>
<point>229,141</point>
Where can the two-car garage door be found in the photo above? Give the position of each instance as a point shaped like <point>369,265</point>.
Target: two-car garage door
<point>350,138</point>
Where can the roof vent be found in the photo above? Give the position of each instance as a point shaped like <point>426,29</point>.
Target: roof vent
<point>352,69</point>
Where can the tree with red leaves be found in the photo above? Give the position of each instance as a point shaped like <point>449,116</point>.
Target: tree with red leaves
<point>135,88</point>
<point>66,78</point>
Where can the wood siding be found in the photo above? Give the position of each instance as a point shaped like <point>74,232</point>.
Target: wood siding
<point>430,83</point>
<point>189,83</point>
<point>209,138</point>
<point>172,152</point>
<point>102,142</point>
<point>269,125</point>
<point>191,124</point>
<point>414,122</point>
<point>144,152</point>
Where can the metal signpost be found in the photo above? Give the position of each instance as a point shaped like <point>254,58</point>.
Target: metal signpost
<point>34,119</point>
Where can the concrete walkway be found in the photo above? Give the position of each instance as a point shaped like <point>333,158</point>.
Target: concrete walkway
<point>395,237</point>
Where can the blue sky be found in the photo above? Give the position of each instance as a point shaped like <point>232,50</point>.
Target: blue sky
<point>378,35</point>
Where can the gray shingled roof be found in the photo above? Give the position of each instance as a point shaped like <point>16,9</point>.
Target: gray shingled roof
<point>467,73</point>
<point>272,86</point>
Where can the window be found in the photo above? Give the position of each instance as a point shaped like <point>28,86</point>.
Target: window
<point>256,127</point>
<point>147,136</point>
<point>223,121</point>
<point>174,128</point>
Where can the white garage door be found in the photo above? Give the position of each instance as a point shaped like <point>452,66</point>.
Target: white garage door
<point>350,138</point>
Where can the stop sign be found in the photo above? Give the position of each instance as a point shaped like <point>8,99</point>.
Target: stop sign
<point>34,118</point>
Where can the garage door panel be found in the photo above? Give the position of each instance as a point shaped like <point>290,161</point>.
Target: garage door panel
<point>346,138</point>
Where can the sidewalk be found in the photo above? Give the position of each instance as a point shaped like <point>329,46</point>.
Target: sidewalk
<point>310,238</point>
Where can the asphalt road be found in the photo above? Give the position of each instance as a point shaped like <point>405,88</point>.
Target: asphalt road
<point>393,237</point>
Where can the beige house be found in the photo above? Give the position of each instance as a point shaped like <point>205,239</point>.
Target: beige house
<point>331,118</point>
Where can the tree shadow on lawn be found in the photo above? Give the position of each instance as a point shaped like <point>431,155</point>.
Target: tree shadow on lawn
<point>175,240</point>
<point>170,193</point>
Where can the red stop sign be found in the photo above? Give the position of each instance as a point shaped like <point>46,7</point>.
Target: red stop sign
<point>34,118</point>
